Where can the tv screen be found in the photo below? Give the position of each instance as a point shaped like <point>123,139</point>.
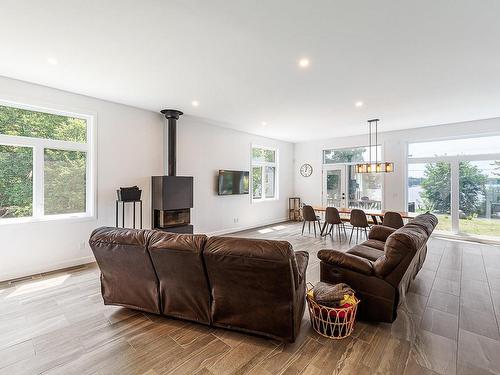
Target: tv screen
<point>233,182</point>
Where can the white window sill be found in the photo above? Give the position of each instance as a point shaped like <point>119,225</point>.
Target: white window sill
<point>48,218</point>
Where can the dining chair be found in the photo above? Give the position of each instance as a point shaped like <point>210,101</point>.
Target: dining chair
<point>332,218</point>
<point>359,221</point>
<point>310,216</point>
<point>393,220</point>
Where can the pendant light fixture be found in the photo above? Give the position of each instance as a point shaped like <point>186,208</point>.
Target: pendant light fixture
<point>377,167</point>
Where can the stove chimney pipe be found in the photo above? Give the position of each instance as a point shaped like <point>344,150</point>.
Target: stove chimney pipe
<point>172,115</point>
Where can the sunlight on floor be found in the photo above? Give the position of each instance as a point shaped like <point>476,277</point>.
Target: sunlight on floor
<point>38,286</point>
<point>265,230</point>
<point>272,229</point>
<point>280,227</point>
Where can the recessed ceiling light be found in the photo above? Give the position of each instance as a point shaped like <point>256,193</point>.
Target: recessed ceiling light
<point>195,103</point>
<point>52,61</point>
<point>263,123</point>
<point>304,63</point>
<point>359,104</point>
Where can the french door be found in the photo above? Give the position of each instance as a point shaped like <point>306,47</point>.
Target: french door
<point>334,186</point>
<point>343,187</point>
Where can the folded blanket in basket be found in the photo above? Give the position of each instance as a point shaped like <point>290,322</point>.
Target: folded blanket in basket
<point>331,295</point>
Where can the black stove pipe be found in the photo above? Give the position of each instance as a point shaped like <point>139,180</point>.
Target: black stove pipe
<point>172,115</point>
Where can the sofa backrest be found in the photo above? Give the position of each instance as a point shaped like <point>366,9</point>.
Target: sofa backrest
<point>178,261</point>
<point>402,245</point>
<point>253,283</point>
<point>128,277</point>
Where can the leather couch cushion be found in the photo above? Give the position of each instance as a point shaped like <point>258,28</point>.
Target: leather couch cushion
<point>402,243</point>
<point>346,260</point>
<point>270,250</point>
<point>380,232</point>
<point>426,221</point>
<point>376,244</point>
<point>127,274</point>
<point>253,285</point>
<point>178,261</point>
<point>366,252</point>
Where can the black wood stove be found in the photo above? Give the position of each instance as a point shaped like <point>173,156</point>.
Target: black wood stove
<point>172,195</point>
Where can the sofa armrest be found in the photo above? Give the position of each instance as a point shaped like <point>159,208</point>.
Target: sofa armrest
<point>380,232</point>
<point>302,258</point>
<point>346,260</point>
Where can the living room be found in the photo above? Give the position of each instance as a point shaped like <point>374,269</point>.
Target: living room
<point>282,120</point>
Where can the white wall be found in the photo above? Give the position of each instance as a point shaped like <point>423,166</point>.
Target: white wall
<point>202,149</point>
<point>129,152</point>
<point>394,148</point>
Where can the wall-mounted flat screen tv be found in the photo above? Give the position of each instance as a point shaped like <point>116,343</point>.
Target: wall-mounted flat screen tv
<point>233,182</point>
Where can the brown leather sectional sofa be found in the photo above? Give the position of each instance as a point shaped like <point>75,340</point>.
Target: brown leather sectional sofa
<point>382,268</point>
<point>255,286</point>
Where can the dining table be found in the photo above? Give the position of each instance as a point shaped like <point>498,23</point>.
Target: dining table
<point>375,215</point>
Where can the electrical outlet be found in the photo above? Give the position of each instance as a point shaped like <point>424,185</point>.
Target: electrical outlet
<point>82,245</point>
<point>235,220</point>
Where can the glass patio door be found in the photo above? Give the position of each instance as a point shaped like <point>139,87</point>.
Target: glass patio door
<point>334,186</point>
<point>429,189</point>
<point>479,202</point>
<point>458,180</point>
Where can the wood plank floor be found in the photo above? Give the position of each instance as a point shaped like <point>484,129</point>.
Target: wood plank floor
<point>56,323</point>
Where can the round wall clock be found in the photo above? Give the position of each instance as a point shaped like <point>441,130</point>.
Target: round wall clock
<point>306,170</point>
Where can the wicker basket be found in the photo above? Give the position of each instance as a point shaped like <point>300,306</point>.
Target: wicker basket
<point>331,322</point>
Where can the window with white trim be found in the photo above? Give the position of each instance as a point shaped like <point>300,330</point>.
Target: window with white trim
<point>45,163</point>
<point>458,180</point>
<point>264,173</point>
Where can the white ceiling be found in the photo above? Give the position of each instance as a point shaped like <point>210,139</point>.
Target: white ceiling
<point>413,63</point>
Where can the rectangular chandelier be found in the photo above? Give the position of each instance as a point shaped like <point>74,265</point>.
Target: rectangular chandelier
<point>377,167</point>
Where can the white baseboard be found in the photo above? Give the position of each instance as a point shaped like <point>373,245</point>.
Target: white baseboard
<point>46,268</point>
<point>246,227</point>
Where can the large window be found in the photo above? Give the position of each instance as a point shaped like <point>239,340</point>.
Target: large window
<point>459,181</point>
<point>350,155</point>
<point>264,173</point>
<point>44,164</point>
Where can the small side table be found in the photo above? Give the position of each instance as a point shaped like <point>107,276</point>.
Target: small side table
<point>133,212</point>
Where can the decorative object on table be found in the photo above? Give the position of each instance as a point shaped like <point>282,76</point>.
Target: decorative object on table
<point>378,166</point>
<point>294,209</point>
<point>332,322</point>
<point>128,195</point>
<point>306,170</point>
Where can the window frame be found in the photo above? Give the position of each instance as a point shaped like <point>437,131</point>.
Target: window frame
<point>263,165</point>
<point>39,145</point>
<point>454,161</point>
